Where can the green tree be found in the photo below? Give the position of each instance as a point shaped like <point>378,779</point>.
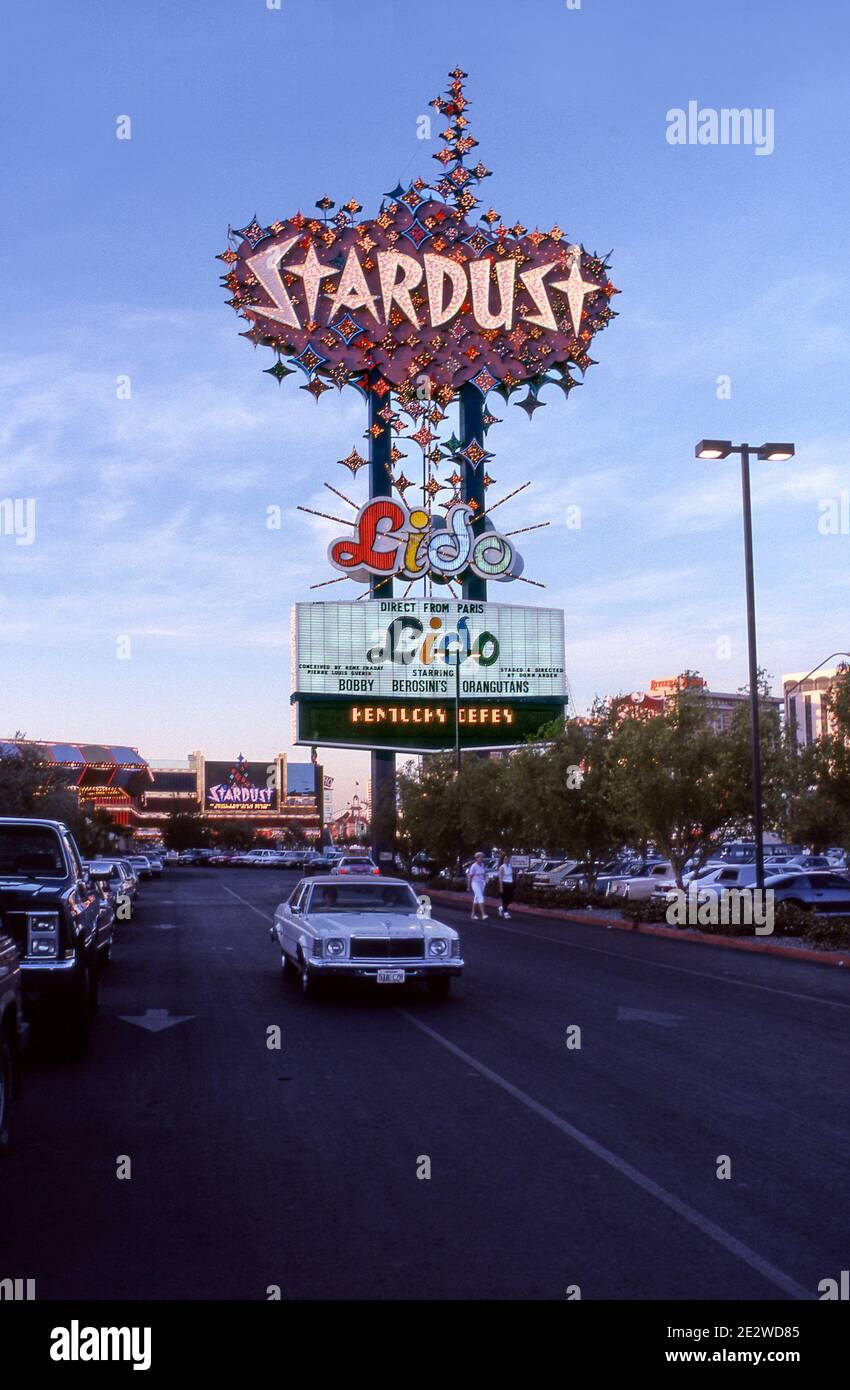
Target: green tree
<point>429,805</point>
<point>564,790</point>
<point>818,799</point>
<point>677,781</point>
<point>25,790</point>
<point>184,830</point>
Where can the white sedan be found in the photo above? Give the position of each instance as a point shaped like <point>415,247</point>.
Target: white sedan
<point>374,929</point>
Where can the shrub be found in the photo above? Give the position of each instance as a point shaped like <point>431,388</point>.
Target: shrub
<point>831,933</point>
<point>790,920</point>
<point>642,910</point>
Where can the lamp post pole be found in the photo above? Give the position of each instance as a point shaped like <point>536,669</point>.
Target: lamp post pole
<point>772,453</point>
<point>758,811</point>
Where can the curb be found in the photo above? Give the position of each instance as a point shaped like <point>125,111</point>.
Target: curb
<point>729,943</point>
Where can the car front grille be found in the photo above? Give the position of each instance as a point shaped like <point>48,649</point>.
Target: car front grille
<point>386,948</point>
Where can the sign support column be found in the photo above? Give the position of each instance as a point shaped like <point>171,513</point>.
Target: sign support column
<point>471,427</point>
<point>383,807</point>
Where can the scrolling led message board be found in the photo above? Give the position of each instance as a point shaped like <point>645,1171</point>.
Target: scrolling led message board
<point>420,290</point>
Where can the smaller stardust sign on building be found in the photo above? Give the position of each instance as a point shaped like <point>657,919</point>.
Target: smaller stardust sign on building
<point>382,672</point>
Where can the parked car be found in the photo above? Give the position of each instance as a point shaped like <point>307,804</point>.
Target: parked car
<point>318,864</point>
<point>260,859</point>
<point>192,857</point>
<point>49,905</point>
<point>354,864</point>
<point>122,881</point>
<point>709,881</point>
<point>738,852</point>
<point>821,889</point>
<point>11,1032</point>
<point>550,873</point>
<point>101,876</point>
<point>578,880</point>
<point>329,929</point>
<point>640,886</point>
<point>809,861</point>
<point>142,865</point>
<point>131,882</point>
<point>423,866</point>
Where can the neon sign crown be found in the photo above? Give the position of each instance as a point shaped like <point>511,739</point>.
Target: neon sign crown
<point>420,290</point>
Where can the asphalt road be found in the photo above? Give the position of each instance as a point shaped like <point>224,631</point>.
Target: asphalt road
<point>550,1166</point>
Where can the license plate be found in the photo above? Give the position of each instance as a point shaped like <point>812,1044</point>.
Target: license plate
<point>390,977</point>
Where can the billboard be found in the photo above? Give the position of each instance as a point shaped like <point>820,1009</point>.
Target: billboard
<point>383,673</point>
<point>409,647</point>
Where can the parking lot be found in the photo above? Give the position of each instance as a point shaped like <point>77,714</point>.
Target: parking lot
<point>398,1147</point>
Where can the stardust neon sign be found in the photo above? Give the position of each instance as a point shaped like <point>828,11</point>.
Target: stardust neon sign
<point>390,539</point>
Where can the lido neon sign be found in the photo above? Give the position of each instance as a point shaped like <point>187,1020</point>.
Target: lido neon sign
<point>390,539</point>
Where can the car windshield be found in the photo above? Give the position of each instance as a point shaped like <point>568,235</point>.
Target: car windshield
<point>30,851</point>
<point>362,897</point>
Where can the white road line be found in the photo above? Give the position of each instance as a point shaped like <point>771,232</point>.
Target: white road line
<point>708,1228</point>
<point>265,916</point>
<point>679,969</point>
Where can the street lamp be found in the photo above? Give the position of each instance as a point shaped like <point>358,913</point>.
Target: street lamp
<point>769,453</point>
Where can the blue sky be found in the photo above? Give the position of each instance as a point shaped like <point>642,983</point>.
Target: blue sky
<point>151,511</point>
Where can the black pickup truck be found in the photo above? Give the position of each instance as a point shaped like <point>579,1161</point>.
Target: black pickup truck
<point>52,910</point>
<point>11,1028</point>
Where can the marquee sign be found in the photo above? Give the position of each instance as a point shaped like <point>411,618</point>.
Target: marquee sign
<point>394,647</point>
<point>420,291</point>
<point>389,539</point>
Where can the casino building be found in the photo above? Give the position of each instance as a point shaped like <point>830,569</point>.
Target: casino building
<point>722,705</point>
<point>105,777</point>
<point>268,797</point>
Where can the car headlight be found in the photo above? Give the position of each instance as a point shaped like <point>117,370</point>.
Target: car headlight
<point>335,946</point>
<point>42,933</point>
<point>438,946</point>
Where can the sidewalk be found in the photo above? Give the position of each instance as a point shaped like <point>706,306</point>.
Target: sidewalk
<point>591,917</point>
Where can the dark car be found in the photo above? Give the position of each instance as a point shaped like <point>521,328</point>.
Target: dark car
<point>824,891</point>
<point>50,907</point>
<point>315,864</point>
<point>122,883</point>
<point>11,1029</point>
<point>101,876</point>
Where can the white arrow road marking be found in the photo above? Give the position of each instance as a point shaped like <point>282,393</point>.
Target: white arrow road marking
<point>155,1020</point>
<point>695,1218</point>
<point>647,1016</point>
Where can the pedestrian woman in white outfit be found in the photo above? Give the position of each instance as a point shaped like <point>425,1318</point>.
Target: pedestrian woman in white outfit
<point>476,878</point>
<point>506,885</point>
